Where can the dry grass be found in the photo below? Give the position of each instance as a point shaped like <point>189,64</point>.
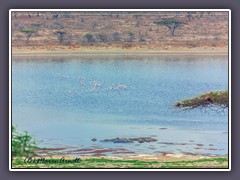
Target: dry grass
<point>207,31</point>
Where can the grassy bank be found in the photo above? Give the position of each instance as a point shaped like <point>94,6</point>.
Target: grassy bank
<point>113,163</point>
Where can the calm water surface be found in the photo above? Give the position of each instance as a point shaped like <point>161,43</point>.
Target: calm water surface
<point>69,101</point>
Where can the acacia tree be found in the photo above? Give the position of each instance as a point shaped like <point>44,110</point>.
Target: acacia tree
<point>189,15</point>
<point>60,35</point>
<point>55,14</point>
<point>130,36</point>
<point>171,24</point>
<point>217,100</point>
<point>89,38</point>
<point>28,34</point>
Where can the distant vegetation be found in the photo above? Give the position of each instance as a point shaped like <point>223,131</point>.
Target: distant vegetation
<point>120,29</point>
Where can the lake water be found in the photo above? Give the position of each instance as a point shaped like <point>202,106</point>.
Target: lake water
<point>65,102</point>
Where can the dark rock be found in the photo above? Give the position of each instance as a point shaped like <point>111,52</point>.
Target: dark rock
<point>94,139</point>
<point>162,128</point>
<point>122,140</point>
<point>197,148</point>
<point>212,149</point>
<point>130,140</point>
<point>118,140</point>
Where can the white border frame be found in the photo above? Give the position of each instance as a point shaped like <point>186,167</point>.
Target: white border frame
<point>122,10</point>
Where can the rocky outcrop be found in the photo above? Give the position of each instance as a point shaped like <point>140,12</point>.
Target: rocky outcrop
<point>131,140</point>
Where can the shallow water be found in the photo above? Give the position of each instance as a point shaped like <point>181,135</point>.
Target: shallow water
<point>69,101</point>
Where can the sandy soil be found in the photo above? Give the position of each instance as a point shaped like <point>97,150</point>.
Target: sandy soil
<point>115,51</point>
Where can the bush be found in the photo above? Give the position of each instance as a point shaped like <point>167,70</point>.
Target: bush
<point>102,37</point>
<point>116,36</point>
<point>22,144</point>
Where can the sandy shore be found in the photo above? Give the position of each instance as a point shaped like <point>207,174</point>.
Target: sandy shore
<point>18,52</point>
<point>55,53</point>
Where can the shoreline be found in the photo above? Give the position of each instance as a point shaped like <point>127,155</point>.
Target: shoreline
<point>125,162</point>
<point>114,53</point>
<point>144,157</point>
<point>121,154</point>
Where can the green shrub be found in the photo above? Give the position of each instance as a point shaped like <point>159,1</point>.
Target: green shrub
<point>22,144</point>
<point>90,37</point>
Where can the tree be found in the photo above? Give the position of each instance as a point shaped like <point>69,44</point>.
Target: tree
<point>60,35</point>
<point>38,14</point>
<point>217,99</point>
<point>141,38</point>
<point>89,38</point>
<point>171,24</point>
<point>29,14</point>
<point>94,25</point>
<point>189,15</point>
<point>55,14</point>
<point>102,37</point>
<point>28,34</point>
<point>23,144</point>
<point>130,36</point>
<point>116,36</point>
